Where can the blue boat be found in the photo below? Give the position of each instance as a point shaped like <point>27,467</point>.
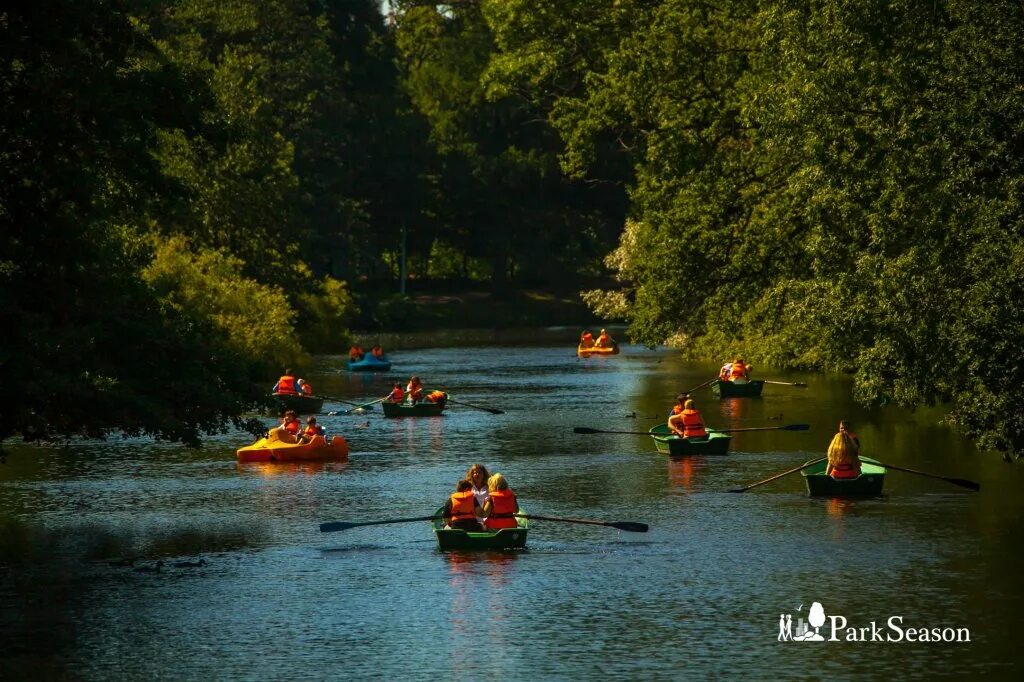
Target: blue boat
<point>369,364</point>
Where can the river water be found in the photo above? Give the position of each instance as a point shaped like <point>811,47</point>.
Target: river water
<point>700,595</point>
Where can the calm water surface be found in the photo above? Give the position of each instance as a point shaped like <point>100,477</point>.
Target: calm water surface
<point>698,596</point>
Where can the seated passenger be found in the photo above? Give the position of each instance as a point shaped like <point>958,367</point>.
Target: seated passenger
<point>305,387</point>
<point>286,384</point>
<point>289,429</point>
<point>437,397</point>
<point>586,340</point>
<point>355,353</point>
<point>462,510</point>
<point>723,374</point>
<point>688,423</point>
<point>500,505</point>
<point>397,395</point>
<point>738,373</point>
<point>604,340</point>
<point>414,389</point>
<point>680,403</point>
<point>844,454</point>
<point>377,352</point>
<point>312,430</point>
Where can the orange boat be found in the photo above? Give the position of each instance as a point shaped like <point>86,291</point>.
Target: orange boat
<point>587,352</point>
<point>271,449</point>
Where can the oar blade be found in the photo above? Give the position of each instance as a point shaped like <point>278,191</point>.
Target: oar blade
<point>964,483</point>
<point>629,526</point>
<point>795,427</point>
<point>584,429</point>
<point>333,526</point>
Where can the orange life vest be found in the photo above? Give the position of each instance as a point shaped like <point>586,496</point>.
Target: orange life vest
<point>312,430</point>
<point>676,409</point>
<point>463,505</point>
<point>502,502</point>
<point>306,388</point>
<point>397,395</point>
<point>378,352</point>
<point>355,353</point>
<point>739,371</point>
<point>292,426</point>
<point>604,341</point>
<point>587,340</point>
<point>286,384</point>
<point>436,397</point>
<point>693,424</point>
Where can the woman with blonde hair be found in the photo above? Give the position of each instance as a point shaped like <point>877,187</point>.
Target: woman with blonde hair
<point>844,454</point>
<point>500,505</point>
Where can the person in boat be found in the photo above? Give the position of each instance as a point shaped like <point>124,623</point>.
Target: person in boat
<point>377,352</point>
<point>305,387</point>
<point>312,430</point>
<point>723,374</point>
<point>680,403</point>
<point>397,395</point>
<point>355,353</point>
<point>438,397</point>
<point>286,384</point>
<point>414,389</point>
<point>844,453</point>
<point>462,510</point>
<point>289,429</point>
<point>586,339</point>
<point>604,340</point>
<point>477,476</point>
<point>688,423</point>
<point>739,373</point>
<point>500,505</point>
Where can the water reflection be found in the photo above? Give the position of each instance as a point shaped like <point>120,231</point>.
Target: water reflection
<point>279,469</point>
<point>681,473</point>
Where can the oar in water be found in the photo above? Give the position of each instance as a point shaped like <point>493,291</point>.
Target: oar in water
<point>630,526</point>
<point>364,405</point>
<point>339,400</point>
<point>492,410</point>
<point>798,384</point>
<point>706,383</point>
<point>775,478</point>
<point>787,427</point>
<point>962,482</point>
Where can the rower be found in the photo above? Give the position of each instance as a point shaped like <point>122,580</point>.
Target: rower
<point>680,404</point>
<point>397,395</point>
<point>355,353</point>
<point>377,352</point>
<point>739,372</point>
<point>604,340</point>
<point>586,339</point>
<point>688,423</point>
<point>462,509</point>
<point>844,454</point>
<point>501,504</point>
<point>286,384</point>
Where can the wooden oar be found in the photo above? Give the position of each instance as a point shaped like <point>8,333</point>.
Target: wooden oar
<point>706,383</point>
<point>492,410</point>
<point>798,384</point>
<point>788,427</point>
<point>630,526</point>
<point>773,478</point>
<point>332,526</point>
<point>339,400</point>
<point>962,482</point>
<point>365,405</point>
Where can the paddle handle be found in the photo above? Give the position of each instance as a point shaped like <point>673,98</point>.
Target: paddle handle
<point>798,384</point>
<point>775,478</point>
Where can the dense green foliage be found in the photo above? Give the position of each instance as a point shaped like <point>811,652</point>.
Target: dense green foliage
<point>830,184</point>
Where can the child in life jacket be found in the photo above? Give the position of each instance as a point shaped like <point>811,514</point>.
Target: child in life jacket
<point>397,395</point>
<point>500,505</point>
<point>437,397</point>
<point>288,431</point>
<point>462,510</point>
<point>312,430</point>
<point>415,389</point>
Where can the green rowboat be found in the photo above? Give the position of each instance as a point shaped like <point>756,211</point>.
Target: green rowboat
<point>424,408</point>
<point>730,389</point>
<point>302,404</point>
<point>449,540</point>
<point>868,484</point>
<point>670,444</point>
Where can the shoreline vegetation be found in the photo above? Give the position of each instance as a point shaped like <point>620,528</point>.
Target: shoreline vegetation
<point>194,197</point>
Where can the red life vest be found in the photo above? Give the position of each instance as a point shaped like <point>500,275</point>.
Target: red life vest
<point>693,425</point>
<point>502,502</point>
<point>378,352</point>
<point>355,353</point>
<point>462,505</point>
<point>845,471</point>
<point>603,341</point>
<point>739,371</point>
<point>397,395</point>
<point>436,397</point>
<point>292,426</point>
<point>306,388</point>
<point>312,430</point>
<point>286,384</point>
<point>676,409</point>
